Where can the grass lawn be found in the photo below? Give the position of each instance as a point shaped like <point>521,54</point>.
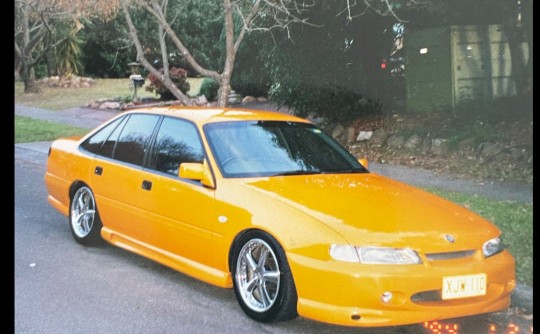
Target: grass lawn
<point>514,219</point>
<point>29,130</point>
<point>65,98</point>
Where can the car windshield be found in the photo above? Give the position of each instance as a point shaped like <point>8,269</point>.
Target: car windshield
<point>272,148</point>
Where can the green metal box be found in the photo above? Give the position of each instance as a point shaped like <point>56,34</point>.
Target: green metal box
<point>449,65</point>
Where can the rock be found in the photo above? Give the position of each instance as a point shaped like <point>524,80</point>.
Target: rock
<point>517,154</point>
<point>395,141</point>
<point>338,131</point>
<point>426,144</point>
<point>351,135</point>
<point>491,150</point>
<point>248,99</point>
<point>328,127</point>
<point>262,99</point>
<point>93,105</point>
<point>378,138</point>
<point>439,146</point>
<point>364,135</point>
<point>412,142</point>
<point>201,100</point>
<point>110,105</point>
<point>358,149</point>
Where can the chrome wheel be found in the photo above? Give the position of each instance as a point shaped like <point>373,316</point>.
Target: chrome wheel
<point>257,275</point>
<point>83,213</point>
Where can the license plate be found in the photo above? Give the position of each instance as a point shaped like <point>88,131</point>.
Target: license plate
<point>464,286</point>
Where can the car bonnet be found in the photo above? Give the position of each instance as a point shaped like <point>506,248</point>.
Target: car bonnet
<point>369,209</point>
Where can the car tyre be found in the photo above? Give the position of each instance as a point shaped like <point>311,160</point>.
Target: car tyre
<point>84,218</point>
<point>263,281</point>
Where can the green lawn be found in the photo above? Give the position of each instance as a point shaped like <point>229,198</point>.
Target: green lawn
<point>514,219</point>
<point>65,98</point>
<point>29,130</point>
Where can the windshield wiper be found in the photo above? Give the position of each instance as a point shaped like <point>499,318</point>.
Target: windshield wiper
<point>347,170</point>
<point>298,172</point>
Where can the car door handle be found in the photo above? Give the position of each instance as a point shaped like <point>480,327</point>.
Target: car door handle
<point>146,185</point>
<point>98,170</point>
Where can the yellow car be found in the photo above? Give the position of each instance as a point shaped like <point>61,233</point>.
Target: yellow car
<point>269,205</point>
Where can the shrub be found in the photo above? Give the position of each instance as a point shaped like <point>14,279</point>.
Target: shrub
<point>209,88</point>
<point>247,85</point>
<point>178,76</point>
<point>251,81</point>
<point>337,104</point>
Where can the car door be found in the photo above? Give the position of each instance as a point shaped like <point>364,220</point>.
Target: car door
<point>116,174</point>
<point>180,210</point>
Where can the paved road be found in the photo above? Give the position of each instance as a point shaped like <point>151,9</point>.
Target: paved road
<point>62,287</point>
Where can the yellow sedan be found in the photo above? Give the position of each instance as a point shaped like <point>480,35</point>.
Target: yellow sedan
<point>269,205</point>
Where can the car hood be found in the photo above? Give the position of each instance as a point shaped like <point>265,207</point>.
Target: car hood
<point>369,209</point>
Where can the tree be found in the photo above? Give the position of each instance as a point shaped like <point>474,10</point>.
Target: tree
<point>514,15</point>
<point>239,17</point>
<point>40,28</point>
<point>106,48</point>
<point>518,30</point>
<point>68,54</point>
<point>337,82</point>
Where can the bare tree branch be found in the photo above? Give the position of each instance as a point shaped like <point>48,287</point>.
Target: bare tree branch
<point>261,15</point>
<point>246,22</point>
<point>160,17</point>
<point>162,42</point>
<point>184,99</point>
<point>380,7</point>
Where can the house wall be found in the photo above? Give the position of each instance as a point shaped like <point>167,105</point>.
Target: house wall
<point>449,65</point>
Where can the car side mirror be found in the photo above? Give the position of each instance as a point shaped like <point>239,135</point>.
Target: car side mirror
<point>364,162</point>
<point>196,171</point>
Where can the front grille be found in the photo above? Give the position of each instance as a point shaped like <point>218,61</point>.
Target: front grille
<point>449,255</point>
<point>427,296</point>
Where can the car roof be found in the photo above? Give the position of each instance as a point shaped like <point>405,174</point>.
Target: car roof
<point>203,115</point>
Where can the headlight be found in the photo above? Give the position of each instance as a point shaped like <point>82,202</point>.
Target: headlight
<point>344,253</point>
<point>492,247</point>
<point>374,255</point>
<point>385,255</point>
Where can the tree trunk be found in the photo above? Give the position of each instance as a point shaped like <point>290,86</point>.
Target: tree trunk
<point>18,63</point>
<point>29,79</point>
<point>514,38</point>
<point>223,92</point>
<point>225,82</point>
<point>183,98</point>
<point>17,71</point>
<point>51,63</point>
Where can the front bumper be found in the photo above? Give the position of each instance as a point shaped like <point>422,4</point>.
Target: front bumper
<point>350,294</point>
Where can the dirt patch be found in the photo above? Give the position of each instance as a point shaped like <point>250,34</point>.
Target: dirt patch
<point>506,154</point>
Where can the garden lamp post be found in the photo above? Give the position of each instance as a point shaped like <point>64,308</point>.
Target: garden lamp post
<point>135,79</point>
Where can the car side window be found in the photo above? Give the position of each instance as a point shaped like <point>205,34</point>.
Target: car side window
<point>107,149</point>
<point>95,143</point>
<point>135,138</point>
<point>177,141</point>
